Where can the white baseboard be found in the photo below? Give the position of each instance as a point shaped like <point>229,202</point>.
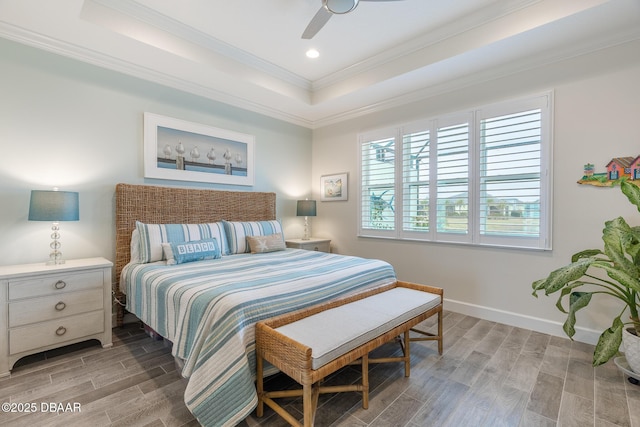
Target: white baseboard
<point>545,326</point>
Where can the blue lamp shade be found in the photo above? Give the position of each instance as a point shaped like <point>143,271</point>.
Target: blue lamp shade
<point>306,208</point>
<point>53,206</point>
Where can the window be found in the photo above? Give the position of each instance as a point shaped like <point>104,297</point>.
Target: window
<point>479,177</point>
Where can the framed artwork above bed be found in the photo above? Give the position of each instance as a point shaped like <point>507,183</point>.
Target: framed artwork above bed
<point>180,150</point>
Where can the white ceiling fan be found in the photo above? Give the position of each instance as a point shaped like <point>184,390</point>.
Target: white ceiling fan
<point>329,8</point>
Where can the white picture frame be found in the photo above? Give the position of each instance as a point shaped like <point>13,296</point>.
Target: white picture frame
<point>176,149</point>
<point>334,187</point>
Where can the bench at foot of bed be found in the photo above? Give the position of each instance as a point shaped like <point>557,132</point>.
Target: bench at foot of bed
<point>310,344</point>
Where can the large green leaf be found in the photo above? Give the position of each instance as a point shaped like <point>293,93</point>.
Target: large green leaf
<point>587,253</point>
<point>614,233</point>
<point>577,300</point>
<point>609,343</point>
<point>632,192</point>
<point>617,237</point>
<point>633,246</point>
<point>537,285</point>
<point>566,291</point>
<point>565,275</point>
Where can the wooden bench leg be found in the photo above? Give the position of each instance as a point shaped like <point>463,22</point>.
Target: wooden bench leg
<point>427,336</point>
<point>365,381</point>
<point>407,354</point>
<point>440,332</point>
<point>259,386</point>
<point>307,405</point>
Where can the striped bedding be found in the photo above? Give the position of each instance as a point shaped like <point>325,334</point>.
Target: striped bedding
<point>208,309</point>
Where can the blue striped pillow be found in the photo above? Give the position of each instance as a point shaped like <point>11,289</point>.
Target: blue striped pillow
<point>152,236</point>
<point>237,233</point>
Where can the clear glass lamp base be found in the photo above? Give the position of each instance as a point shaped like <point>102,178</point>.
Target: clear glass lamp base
<point>306,229</point>
<point>55,257</point>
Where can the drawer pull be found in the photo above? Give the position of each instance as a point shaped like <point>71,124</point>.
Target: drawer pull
<point>60,284</point>
<point>61,331</point>
<point>60,306</point>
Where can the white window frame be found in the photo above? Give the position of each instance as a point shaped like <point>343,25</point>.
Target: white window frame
<point>543,101</point>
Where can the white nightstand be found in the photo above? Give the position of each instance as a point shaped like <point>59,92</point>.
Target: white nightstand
<point>48,306</point>
<point>313,244</point>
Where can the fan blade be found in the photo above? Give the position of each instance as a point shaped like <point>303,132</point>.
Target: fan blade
<point>316,24</point>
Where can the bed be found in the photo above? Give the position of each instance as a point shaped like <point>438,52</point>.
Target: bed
<point>208,309</point>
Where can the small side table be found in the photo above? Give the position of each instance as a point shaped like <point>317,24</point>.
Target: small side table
<point>313,244</point>
<point>48,306</point>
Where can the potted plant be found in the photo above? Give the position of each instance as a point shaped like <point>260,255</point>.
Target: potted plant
<point>619,265</point>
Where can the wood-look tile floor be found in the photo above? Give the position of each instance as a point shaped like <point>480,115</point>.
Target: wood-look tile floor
<point>489,375</point>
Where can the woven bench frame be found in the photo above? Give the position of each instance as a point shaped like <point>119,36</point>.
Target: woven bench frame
<point>294,358</point>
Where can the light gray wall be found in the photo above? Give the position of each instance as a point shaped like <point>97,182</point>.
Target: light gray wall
<point>597,109</point>
<point>80,128</point>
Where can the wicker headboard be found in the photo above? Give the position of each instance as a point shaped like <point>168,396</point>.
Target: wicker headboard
<point>167,205</point>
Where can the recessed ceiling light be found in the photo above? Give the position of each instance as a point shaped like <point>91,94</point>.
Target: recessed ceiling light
<point>312,53</point>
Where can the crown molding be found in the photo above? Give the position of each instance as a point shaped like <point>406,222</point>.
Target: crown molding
<point>177,29</point>
<point>412,47</point>
<point>102,60</point>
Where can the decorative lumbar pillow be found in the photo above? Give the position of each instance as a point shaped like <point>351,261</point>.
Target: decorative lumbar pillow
<point>262,244</point>
<point>152,236</point>
<point>238,231</point>
<point>179,253</point>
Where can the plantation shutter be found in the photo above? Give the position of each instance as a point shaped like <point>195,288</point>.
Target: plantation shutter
<point>416,170</point>
<point>377,185</point>
<point>510,189</point>
<point>453,181</point>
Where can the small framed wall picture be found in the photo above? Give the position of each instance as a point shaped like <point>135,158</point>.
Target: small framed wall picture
<point>334,187</point>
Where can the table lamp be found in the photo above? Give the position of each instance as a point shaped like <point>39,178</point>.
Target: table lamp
<point>306,208</point>
<point>54,206</point>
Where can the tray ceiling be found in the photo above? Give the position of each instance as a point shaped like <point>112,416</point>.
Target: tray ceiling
<point>250,53</point>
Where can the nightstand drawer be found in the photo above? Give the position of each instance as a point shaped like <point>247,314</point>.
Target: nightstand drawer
<point>55,331</point>
<point>52,307</point>
<point>317,246</point>
<point>313,244</point>
<point>54,284</point>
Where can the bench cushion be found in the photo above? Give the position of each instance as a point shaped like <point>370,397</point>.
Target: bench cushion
<point>336,331</point>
